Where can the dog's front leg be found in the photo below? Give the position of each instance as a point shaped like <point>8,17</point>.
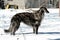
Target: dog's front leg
<point>35,30</point>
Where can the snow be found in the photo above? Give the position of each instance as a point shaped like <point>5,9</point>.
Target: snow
<point>49,29</point>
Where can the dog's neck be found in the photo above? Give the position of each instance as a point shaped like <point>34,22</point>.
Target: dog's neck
<point>38,14</point>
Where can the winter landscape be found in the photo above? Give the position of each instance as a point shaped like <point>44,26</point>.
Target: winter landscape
<point>49,29</point>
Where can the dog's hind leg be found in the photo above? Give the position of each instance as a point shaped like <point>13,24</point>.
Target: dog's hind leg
<point>15,28</point>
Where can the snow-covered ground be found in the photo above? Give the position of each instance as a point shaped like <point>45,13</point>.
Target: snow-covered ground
<point>49,29</point>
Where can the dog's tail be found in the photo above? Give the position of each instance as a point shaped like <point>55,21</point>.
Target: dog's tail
<point>6,31</point>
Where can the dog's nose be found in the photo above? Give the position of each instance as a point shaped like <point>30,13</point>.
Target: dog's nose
<point>47,11</point>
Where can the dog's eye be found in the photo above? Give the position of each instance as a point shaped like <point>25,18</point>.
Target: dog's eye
<point>42,11</point>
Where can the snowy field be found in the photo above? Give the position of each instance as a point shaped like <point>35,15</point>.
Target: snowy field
<point>49,29</point>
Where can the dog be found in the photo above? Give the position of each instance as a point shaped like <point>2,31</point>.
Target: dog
<point>33,19</point>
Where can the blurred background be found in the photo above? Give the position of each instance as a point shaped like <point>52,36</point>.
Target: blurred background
<point>50,26</point>
<point>25,4</point>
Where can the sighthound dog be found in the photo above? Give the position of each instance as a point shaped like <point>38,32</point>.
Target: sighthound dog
<point>32,19</point>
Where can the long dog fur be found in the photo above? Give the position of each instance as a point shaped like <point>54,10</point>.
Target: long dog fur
<point>32,19</point>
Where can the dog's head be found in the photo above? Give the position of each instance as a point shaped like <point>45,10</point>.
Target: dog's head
<point>44,9</point>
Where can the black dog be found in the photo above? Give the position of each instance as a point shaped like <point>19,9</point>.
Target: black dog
<point>32,19</point>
